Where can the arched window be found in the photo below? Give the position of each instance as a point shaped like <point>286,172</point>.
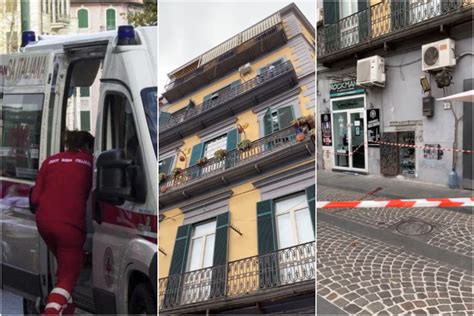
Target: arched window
<point>83,18</point>
<point>110,19</point>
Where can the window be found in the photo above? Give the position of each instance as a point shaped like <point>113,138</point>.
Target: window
<point>293,221</point>
<point>86,121</point>
<point>85,92</point>
<point>197,285</point>
<point>211,99</point>
<point>20,133</point>
<point>212,146</point>
<point>294,227</point>
<point>83,18</point>
<point>110,19</point>
<point>166,165</point>
<point>277,119</point>
<point>119,127</point>
<point>270,66</point>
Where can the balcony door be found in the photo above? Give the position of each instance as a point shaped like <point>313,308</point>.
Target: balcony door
<point>349,24</point>
<point>210,148</point>
<point>198,276</point>
<point>420,10</point>
<point>294,227</point>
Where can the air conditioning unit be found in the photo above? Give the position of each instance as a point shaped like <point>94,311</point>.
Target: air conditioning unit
<point>438,55</point>
<point>245,69</point>
<point>371,72</point>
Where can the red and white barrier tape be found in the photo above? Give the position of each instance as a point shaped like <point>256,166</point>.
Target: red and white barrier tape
<point>424,147</point>
<point>405,203</point>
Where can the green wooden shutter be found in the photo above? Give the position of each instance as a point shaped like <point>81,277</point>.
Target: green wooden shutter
<point>207,101</point>
<point>285,116</point>
<point>164,118</point>
<point>267,245</point>
<point>399,14</point>
<point>196,153</point>
<point>110,16</point>
<point>267,122</point>
<point>331,11</point>
<point>178,266</point>
<point>219,275</point>
<point>83,18</point>
<point>232,139</point>
<point>166,165</point>
<point>86,121</point>
<point>364,20</point>
<point>310,195</point>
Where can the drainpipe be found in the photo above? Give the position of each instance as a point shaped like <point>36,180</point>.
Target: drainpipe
<point>25,15</point>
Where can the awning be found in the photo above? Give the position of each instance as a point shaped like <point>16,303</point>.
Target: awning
<point>467,96</point>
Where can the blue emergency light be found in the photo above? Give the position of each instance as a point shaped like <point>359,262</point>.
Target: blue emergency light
<point>27,37</point>
<point>126,35</point>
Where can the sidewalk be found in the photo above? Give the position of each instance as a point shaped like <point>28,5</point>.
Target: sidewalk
<point>391,187</point>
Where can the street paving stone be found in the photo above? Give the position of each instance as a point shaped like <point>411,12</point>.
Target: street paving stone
<point>452,230</point>
<point>365,276</point>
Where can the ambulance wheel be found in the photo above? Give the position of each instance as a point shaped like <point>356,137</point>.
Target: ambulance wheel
<point>142,301</point>
<point>29,307</point>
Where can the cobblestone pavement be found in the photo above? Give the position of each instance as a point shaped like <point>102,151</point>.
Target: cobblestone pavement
<point>365,276</point>
<point>452,230</point>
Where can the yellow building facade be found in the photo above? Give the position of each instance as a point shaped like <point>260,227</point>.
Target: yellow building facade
<point>237,173</point>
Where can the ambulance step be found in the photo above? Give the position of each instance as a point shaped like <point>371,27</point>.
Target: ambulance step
<point>83,298</point>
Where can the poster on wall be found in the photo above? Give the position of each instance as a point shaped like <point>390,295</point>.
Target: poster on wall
<point>373,127</point>
<point>326,129</point>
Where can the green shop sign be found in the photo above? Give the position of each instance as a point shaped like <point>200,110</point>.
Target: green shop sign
<point>344,88</point>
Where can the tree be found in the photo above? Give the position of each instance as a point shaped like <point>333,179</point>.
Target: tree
<point>148,16</point>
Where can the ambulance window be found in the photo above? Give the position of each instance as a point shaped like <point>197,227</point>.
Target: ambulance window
<point>119,127</point>
<point>20,135</point>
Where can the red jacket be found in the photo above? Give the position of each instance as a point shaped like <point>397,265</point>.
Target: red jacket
<point>62,188</point>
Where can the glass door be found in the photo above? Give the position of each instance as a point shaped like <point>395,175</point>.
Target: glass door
<point>357,140</point>
<point>349,143</point>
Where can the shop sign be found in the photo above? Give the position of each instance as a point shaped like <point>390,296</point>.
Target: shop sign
<point>326,130</point>
<point>373,127</point>
<point>344,88</point>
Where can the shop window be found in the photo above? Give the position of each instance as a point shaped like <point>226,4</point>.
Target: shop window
<point>110,19</point>
<point>83,18</point>
<point>20,134</point>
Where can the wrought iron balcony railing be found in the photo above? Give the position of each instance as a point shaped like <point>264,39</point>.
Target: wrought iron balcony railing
<point>248,276</point>
<point>234,158</point>
<point>228,94</point>
<point>379,20</point>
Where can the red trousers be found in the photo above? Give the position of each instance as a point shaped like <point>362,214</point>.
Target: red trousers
<point>66,242</point>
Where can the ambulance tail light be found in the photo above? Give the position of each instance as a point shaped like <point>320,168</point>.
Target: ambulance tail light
<point>126,35</point>
<point>27,37</point>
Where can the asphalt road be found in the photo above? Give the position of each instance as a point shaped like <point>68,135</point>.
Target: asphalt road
<point>392,261</point>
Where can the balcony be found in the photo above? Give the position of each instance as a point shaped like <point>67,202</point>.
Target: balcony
<point>389,21</point>
<point>240,49</point>
<point>264,154</point>
<point>192,119</point>
<point>280,274</point>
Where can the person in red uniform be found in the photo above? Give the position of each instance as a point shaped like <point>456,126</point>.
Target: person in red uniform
<point>62,188</point>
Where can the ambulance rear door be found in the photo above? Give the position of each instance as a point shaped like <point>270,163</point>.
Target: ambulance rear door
<point>28,92</point>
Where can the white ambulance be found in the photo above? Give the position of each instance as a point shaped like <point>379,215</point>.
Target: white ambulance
<point>119,273</point>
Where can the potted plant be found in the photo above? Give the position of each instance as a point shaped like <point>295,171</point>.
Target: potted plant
<point>177,172</point>
<point>300,137</point>
<point>310,121</point>
<point>163,177</point>
<point>163,189</point>
<point>202,162</point>
<point>220,154</point>
<point>244,145</point>
<point>295,123</point>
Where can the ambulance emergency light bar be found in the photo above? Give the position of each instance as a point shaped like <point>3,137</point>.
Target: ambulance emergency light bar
<point>27,37</point>
<point>126,35</point>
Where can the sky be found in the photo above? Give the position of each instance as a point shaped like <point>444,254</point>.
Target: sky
<point>189,28</point>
